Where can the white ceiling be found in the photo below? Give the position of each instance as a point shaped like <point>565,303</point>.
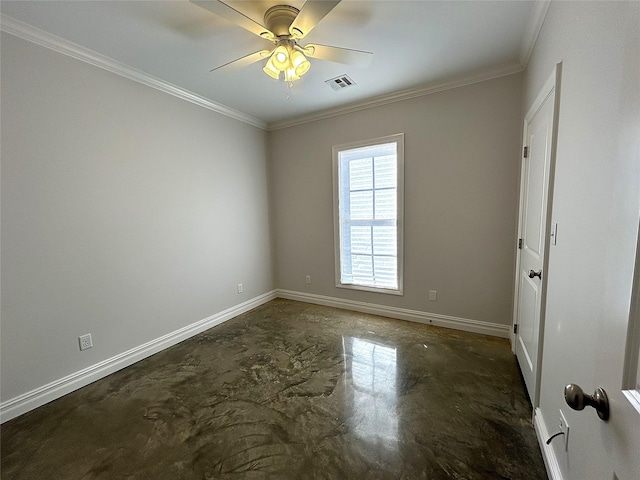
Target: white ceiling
<point>416,44</point>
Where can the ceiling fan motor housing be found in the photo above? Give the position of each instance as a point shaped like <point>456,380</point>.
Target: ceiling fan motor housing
<point>279,18</point>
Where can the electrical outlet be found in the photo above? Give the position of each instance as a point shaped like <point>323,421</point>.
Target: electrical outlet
<point>433,295</point>
<point>85,341</point>
<point>564,428</point>
<point>308,279</point>
<point>240,288</point>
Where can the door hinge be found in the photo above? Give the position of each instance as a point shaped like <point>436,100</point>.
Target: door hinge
<point>520,243</point>
<point>515,328</point>
<point>526,152</point>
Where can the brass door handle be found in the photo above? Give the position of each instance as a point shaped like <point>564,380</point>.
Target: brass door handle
<point>535,274</point>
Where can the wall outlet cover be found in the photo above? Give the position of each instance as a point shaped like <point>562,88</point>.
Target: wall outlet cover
<point>85,341</point>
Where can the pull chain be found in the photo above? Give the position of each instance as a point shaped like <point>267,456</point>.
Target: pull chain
<point>289,89</point>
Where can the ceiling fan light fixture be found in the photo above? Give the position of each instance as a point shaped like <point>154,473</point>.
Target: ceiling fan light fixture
<point>280,58</point>
<point>299,63</point>
<point>290,75</point>
<point>288,59</point>
<point>271,70</point>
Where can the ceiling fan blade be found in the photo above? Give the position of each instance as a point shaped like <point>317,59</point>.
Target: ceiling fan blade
<point>311,13</point>
<point>356,58</point>
<point>246,60</point>
<point>225,11</point>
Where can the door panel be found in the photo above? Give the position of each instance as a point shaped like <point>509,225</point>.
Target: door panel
<point>527,337</point>
<point>539,140</point>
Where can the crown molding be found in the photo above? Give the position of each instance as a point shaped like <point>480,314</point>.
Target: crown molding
<point>536,20</point>
<point>40,37</point>
<point>455,82</point>
<point>35,35</point>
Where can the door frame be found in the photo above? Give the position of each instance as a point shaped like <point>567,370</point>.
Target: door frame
<point>551,86</point>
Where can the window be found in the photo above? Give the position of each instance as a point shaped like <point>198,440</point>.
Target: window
<point>368,181</point>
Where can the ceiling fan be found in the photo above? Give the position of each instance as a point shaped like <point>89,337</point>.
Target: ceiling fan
<point>285,26</point>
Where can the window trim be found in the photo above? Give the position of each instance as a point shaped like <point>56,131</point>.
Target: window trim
<point>631,383</point>
<point>399,140</point>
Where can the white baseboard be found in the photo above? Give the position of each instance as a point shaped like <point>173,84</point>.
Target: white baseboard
<point>58,388</point>
<point>474,326</point>
<point>45,394</point>
<point>548,453</point>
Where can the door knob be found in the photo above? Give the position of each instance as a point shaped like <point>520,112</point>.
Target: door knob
<point>577,399</point>
<point>535,274</point>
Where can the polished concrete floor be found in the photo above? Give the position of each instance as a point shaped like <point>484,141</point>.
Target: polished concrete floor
<point>292,391</point>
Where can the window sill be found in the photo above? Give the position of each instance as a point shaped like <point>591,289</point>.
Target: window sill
<point>363,288</point>
<point>634,398</point>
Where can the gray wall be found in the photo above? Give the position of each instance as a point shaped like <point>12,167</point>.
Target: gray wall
<point>462,165</point>
<point>126,213</point>
<point>596,205</point>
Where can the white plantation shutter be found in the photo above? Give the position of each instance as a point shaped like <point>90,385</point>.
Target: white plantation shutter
<point>368,219</point>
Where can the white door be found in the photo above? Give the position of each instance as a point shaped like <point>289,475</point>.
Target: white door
<point>533,243</point>
<point>617,440</point>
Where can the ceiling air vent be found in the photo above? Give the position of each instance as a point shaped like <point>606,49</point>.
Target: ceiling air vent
<point>341,82</point>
